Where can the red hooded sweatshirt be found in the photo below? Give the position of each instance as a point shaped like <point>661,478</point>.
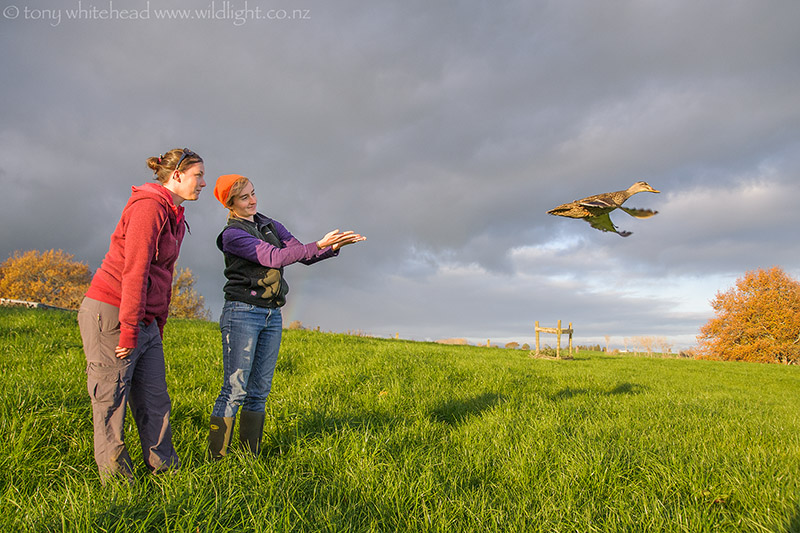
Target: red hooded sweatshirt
<point>136,274</point>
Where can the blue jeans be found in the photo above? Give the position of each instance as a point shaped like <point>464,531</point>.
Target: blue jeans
<point>251,338</point>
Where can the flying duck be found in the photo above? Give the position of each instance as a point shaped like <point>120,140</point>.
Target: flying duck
<point>596,209</point>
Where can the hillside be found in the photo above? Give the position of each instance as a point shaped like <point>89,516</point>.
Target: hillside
<point>368,434</point>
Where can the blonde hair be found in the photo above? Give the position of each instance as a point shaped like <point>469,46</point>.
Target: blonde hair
<point>164,165</point>
<point>234,191</point>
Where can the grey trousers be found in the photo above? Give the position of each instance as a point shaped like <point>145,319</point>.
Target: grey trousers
<point>138,380</point>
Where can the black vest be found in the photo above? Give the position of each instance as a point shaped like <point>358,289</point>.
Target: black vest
<point>250,282</point>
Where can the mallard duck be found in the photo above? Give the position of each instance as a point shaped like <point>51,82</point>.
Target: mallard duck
<point>596,209</point>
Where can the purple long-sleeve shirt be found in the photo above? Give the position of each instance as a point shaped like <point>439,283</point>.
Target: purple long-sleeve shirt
<point>238,242</point>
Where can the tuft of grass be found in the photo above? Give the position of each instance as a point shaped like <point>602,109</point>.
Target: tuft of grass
<point>367,434</point>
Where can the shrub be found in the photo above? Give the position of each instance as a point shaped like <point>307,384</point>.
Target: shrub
<point>52,277</point>
<point>187,302</point>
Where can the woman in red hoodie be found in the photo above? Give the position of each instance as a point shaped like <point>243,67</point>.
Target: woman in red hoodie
<point>123,314</point>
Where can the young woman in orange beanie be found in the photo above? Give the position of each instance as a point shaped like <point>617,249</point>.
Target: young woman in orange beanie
<point>256,250</point>
<point>123,314</point>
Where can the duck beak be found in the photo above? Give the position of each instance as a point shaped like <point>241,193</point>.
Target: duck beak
<point>653,190</point>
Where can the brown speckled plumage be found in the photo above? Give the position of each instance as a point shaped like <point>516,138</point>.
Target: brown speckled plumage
<point>596,209</point>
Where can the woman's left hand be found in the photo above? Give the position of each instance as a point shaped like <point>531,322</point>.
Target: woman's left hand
<point>336,239</point>
<point>348,237</point>
<point>121,352</point>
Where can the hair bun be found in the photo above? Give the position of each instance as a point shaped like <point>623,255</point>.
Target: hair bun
<point>153,163</point>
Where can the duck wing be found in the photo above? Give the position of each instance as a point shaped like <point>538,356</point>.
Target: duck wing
<point>639,213</point>
<point>599,202</point>
<point>603,223</point>
<point>571,210</point>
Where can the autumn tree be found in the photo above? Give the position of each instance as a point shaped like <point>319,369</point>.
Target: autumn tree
<point>646,343</point>
<point>664,345</point>
<point>757,320</point>
<point>52,277</point>
<point>186,301</point>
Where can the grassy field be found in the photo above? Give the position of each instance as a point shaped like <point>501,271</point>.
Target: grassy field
<point>386,435</point>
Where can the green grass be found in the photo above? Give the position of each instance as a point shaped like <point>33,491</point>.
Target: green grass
<point>385,435</point>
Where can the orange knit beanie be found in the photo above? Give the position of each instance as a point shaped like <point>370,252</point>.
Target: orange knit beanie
<point>223,187</point>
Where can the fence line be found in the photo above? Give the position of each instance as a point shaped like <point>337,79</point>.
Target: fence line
<point>9,302</point>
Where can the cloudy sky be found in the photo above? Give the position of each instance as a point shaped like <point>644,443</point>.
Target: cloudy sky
<point>443,131</point>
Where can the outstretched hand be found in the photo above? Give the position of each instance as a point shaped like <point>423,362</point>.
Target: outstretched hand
<point>336,239</point>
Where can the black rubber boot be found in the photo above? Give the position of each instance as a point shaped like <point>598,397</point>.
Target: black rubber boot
<point>251,426</point>
<point>219,436</point>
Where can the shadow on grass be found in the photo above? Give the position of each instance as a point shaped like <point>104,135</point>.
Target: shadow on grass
<point>622,388</point>
<point>188,414</point>
<point>794,523</point>
<point>457,411</point>
<point>312,424</point>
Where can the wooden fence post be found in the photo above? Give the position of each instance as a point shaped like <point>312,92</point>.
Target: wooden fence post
<point>558,339</point>
<point>558,331</point>
<point>570,338</point>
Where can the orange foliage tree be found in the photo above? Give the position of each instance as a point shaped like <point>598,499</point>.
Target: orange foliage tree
<point>186,302</point>
<point>52,277</point>
<point>758,320</point>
